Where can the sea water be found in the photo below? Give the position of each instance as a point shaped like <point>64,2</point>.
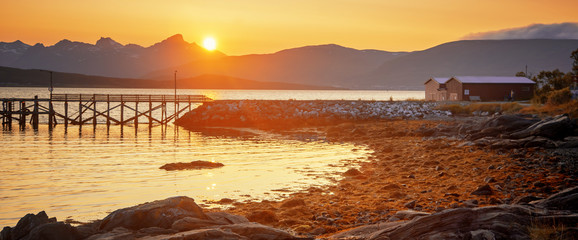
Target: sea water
<point>85,173</point>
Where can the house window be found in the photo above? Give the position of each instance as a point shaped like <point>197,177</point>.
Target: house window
<point>466,91</point>
<point>525,89</point>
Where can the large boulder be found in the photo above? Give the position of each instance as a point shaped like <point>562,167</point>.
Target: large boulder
<point>555,128</point>
<point>53,231</point>
<point>199,234</point>
<point>564,200</point>
<point>511,122</point>
<point>257,231</point>
<point>39,226</point>
<point>161,213</point>
<point>507,222</point>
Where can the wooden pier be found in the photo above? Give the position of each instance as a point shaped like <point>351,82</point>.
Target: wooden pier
<point>82,109</point>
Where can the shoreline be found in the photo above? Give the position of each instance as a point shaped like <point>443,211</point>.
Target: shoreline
<point>403,174</point>
<point>416,166</point>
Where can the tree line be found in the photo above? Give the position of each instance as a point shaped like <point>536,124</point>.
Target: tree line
<point>554,86</point>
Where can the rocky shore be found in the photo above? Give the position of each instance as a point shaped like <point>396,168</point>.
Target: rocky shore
<point>431,176</point>
<point>286,114</point>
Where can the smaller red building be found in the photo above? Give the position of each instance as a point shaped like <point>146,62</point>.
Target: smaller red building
<point>435,89</point>
<point>484,88</point>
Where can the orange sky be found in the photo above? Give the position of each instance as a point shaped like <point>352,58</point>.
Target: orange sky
<point>259,26</point>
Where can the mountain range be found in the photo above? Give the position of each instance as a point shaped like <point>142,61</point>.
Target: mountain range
<point>305,67</point>
<point>15,77</point>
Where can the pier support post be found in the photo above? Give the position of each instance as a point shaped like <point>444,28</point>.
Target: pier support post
<point>136,113</point>
<point>94,111</point>
<point>107,111</point>
<point>66,111</point>
<point>50,115</point>
<point>8,118</point>
<point>80,112</point>
<point>150,113</point>
<point>35,114</point>
<point>22,115</point>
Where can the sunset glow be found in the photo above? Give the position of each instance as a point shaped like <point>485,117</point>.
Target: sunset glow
<point>246,27</point>
<point>210,43</point>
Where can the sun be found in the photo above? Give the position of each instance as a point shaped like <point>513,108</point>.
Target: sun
<point>210,43</point>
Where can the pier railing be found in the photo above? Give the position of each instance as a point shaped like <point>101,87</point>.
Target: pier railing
<point>130,98</point>
<point>121,109</point>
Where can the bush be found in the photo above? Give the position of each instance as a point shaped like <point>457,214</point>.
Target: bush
<point>559,97</point>
<point>455,109</point>
<point>570,108</point>
<point>490,108</point>
<point>512,107</point>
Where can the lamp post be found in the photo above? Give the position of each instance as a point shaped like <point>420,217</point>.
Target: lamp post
<point>175,85</point>
<point>51,88</point>
<point>176,107</point>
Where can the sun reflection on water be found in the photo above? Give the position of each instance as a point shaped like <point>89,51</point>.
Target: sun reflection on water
<point>85,174</point>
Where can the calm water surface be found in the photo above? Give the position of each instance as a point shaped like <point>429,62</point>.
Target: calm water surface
<point>85,173</point>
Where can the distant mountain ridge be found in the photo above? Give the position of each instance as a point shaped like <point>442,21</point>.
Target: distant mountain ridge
<point>105,58</point>
<point>322,65</point>
<point>15,77</point>
<point>334,65</point>
<point>473,58</point>
<point>329,65</point>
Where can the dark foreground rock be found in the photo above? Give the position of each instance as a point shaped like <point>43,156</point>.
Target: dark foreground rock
<point>180,218</point>
<point>557,216</point>
<point>39,226</point>
<point>191,165</point>
<point>172,218</point>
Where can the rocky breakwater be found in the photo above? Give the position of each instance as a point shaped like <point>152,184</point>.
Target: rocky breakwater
<point>172,218</point>
<point>293,113</point>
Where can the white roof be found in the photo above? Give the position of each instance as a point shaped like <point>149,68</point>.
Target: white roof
<point>493,79</point>
<point>440,80</point>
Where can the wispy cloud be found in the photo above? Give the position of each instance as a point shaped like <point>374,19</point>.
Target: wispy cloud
<point>535,31</point>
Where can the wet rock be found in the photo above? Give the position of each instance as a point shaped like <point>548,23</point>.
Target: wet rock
<point>410,204</point>
<point>557,127</point>
<point>226,218</point>
<point>484,190</point>
<point>511,122</point>
<point>191,165</point>
<point>190,223</point>
<point>367,232</point>
<point>489,180</point>
<point>199,234</point>
<point>29,222</point>
<point>352,173</point>
<point>257,231</point>
<point>6,234</point>
<point>54,230</point>
<point>118,233</point>
<point>482,235</point>
<point>507,223</point>
<point>264,217</point>
<point>567,199</point>
<point>409,214</point>
<point>226,201</point>
<point>162,213</point>
<point>391,186</point>
<point>153,231</point>
<point>294,202</point>
<point>495,201</point>
<point>472,203</point>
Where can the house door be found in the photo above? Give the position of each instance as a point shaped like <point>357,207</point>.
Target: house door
<point>453,96</point>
